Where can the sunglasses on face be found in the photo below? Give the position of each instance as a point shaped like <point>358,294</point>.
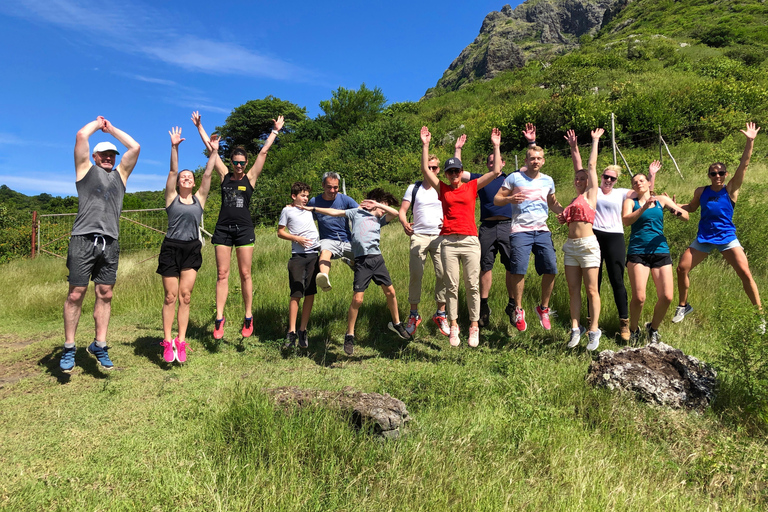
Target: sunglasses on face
<point>238,163</point>
<point>610,178</point>
<point>452,171</point>
<point>717,173</point>
<point>434,167</point>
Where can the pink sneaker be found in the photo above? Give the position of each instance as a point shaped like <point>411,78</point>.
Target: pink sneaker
<point>181,350</point>
<point>520,319</point>
<point>168,353</point>
<point>544,317</point>
<point>413,322</point>
<point>474,336</point>
<point>454,339</point>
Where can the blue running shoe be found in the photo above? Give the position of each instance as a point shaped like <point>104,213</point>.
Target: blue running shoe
<point>101,355</point>
<point>67,362</point>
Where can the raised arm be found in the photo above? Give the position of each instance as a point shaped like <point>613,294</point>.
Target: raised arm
<point>173,173</point>
<point>430,178</point>
<point>131,155</point>
<point>653,169</point>
<point>221,167</point>
<point>570,137</point>
<point>592,183</point>
<point>734,185</point>
<point>369,204</point>
<point>258,165</point>
<point>333,212</point>
<point>83,148</point>
<point>488,177</point>
<point>530,134</point>
<point>465,175</point>
<point>213,159</point>
<point>670,205</point>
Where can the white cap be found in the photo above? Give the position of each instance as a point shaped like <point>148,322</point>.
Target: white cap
<point>105,146</point>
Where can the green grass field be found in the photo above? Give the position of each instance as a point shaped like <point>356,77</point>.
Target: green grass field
<point>511,425</point>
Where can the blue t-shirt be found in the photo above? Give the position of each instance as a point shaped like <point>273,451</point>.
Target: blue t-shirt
<point>716,223</point>
<point>647,234</point>
<point>486,195</point>
<point>333,228</point>
<point>366,232</point>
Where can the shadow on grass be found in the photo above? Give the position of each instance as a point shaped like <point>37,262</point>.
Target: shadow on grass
<point>82,359</point>
<point>149,348</point>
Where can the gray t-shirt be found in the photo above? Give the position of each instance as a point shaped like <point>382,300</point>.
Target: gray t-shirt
<point>300,223</point>
<point>184,219</point>
<point>365,228</point>
<point>99,203</point>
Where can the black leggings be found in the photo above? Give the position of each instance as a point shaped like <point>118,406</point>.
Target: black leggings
<point>612,252</point>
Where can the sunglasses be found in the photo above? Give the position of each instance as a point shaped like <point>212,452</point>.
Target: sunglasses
<point>434,167</point>
<point>717,173</point>
<point>610,178</point>
<point>452,171</point>
<point>238,163</point>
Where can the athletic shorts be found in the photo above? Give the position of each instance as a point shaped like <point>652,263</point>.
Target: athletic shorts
<point>233,235</point>
<point>582,252</point>
<point>337,248</point>
<point>178,255</point>
<point>494,238</point>
<point>370,267</point>
<point>92,257</point>
<point>538,242</point>
<point>302,269</point>
<point>650,260</point>
<point>707,248</point>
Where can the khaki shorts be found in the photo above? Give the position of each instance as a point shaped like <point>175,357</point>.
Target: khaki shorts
<point>582,252</point>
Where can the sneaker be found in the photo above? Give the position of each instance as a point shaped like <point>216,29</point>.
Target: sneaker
<point>218,329</point>
<point>681,312</point>
<point>349,344</point>
<point>594,339</point>
<point>67,361</point>
<point>303,341</point>
<point>290,342</point>
<point>624,329</point>
<point>761,326</point>
<point>634,338</point>
<point>399,330</point>
<point>652,334</point>
<point>413,322</point>
<point>453,338</point>
<point>576,335</point>
<point>474,337</point>
<point>520,319</point>
<point>247,327</point>
<point>510,311</point>
<point>442,324</point>
<point>543,317</point>
<point>350,263</point>
<point>100,353</point>
<point>168,353</point>
<point>323,281</point>
<point>181,350</point>
<point>485,315</point>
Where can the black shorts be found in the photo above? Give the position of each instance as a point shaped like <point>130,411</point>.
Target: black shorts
<point>233,235</point>
<point>370,267</point>
<point>494,238</point>
<point>92,257</point>
<point>650,260</point>
<point>178,255</point>
<point>302,269</point>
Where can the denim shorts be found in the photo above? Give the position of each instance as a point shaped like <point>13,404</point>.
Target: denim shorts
<point>538,242</point>
<point>707,248</point>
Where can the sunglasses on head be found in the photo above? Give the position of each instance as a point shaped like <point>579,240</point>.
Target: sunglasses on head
<point>717,173</point>
<point>610,178</point>
<point>238,163</point>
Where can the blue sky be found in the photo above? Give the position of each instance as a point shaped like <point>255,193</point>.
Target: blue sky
<point>146,66</point>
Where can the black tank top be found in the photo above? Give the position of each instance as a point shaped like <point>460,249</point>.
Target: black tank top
<point>235,202</point>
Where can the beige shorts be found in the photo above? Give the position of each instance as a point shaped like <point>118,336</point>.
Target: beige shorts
<point>582,252</point>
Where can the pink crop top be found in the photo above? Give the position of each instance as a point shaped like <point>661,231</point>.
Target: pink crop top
<point>579,211</point>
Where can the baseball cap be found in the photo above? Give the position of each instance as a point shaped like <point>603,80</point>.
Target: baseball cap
<point>105,146</point>
<point>452,163</point>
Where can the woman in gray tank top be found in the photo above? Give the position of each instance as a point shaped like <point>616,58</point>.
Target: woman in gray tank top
<point>180,256</point>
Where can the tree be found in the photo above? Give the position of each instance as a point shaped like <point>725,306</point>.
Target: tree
<point>250,123</point>
<point>348,108</point>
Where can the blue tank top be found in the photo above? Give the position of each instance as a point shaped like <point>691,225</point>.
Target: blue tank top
<point>716,223</point>
<point>647,234</point>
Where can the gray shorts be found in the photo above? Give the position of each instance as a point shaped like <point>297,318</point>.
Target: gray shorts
<point>337,248</point>
<point>92,257</point>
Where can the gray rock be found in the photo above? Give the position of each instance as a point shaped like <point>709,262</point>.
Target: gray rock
<point>656,373</point>
<point>383,414</point>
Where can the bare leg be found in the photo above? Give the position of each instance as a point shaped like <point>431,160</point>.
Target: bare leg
<point>689,260</point>
<point>389,292</point>
<point>547,286</point>
<point>573,277</point>
<point>305,311</point>
<point>638,280</point>
<point>593,294</point>
<point>171,286</point>
<point>186,284</point>
<point>510,282</point>
<point>73,306</point>
<point>664,281</point>
<point>223,259</point>
<point>357,301</point>
<point>293,312</point>
<point>518,284</point>
<point>324,262</point>
<point>102,309</point>
<point>244,262</point>
<point>738,261</point>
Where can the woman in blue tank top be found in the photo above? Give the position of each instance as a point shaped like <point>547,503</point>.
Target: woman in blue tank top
<point>648,253</point>
<point>716,228</point>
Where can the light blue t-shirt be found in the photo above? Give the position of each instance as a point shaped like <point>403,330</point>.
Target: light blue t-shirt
<point>532,213</point>
<point>366,231</point>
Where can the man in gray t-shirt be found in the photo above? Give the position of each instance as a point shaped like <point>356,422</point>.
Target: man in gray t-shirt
<point>93,248</point>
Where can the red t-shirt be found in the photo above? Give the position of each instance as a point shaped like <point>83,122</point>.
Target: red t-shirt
<point>459,209</point>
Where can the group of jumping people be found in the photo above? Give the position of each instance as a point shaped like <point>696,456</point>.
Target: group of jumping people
<point>514,209</point>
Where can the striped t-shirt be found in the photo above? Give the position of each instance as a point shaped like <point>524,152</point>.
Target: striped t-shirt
<point>532,213</point>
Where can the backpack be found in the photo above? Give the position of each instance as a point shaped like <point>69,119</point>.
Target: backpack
<point>413,195</point>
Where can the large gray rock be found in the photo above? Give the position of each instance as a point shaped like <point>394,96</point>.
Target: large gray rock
<point>384,414</point>
<point>656,373</point>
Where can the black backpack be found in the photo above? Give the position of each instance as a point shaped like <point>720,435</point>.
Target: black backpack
<point>413,195</point>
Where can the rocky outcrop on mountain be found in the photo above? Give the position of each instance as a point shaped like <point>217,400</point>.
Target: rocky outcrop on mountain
<point>536,29</point>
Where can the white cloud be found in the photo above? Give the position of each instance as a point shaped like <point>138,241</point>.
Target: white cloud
<point>9,139</point>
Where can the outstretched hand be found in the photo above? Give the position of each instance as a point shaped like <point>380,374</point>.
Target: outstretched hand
<point>279,122</point>
<point>196,118</point>
<point>597,133</point>
<point>654,167</point>
<point>460,141</point>
<point>426,137</point>
<point>570,138</point>
<point>530,132</point>
<point>176,137</point>
<point>751,131</point>
<point>496,137</point>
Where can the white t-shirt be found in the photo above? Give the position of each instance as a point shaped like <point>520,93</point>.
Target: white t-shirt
<point>427,210</point>
<point>300,223</point>
<point>608,216</point>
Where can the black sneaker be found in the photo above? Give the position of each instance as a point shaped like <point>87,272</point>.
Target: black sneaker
<point>349,344</point>
<point>485,314</point>
<point>510,311</point>
<point>290,342</point>
<point>399,330</point>
<point>303,341</point>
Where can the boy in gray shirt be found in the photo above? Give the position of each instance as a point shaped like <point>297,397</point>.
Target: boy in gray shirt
<point>365,226</point>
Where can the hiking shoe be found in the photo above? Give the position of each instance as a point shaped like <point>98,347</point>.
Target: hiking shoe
<point>520,319</point>
<point>290,341</point>
<point>453,338</point>
<point>510,311</point>
<point>181,350</point>
<point>442,324</point>
<point>634,338</point>
<point>594,339</point>
<point>303,341</point>
<point>323,281</point>
<point>474,337</point>
<point>349,344</point>
<point>168,353</point>
<point>576,335</point>
<point>543,317</point>
<point>399,330</point>
<point>67,361</point>
<point>485,315</point>
<point>218,329</point>
<point>350,263</point>
<point>100,353</point>
<point>624,329</point>
<point>681,312</point>
<point>413,322</point>
<point>653,334</point>
<point>247,329</point>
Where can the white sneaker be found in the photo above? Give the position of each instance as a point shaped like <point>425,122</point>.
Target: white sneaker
<point>576,335</point>
<point>681,312</point>
<point>474,337</point>
<point>454,339</point>
<point>323,281</point>
<point>594,339</point>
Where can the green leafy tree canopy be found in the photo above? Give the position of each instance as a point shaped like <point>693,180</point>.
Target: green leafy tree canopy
<point>348,107</point>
